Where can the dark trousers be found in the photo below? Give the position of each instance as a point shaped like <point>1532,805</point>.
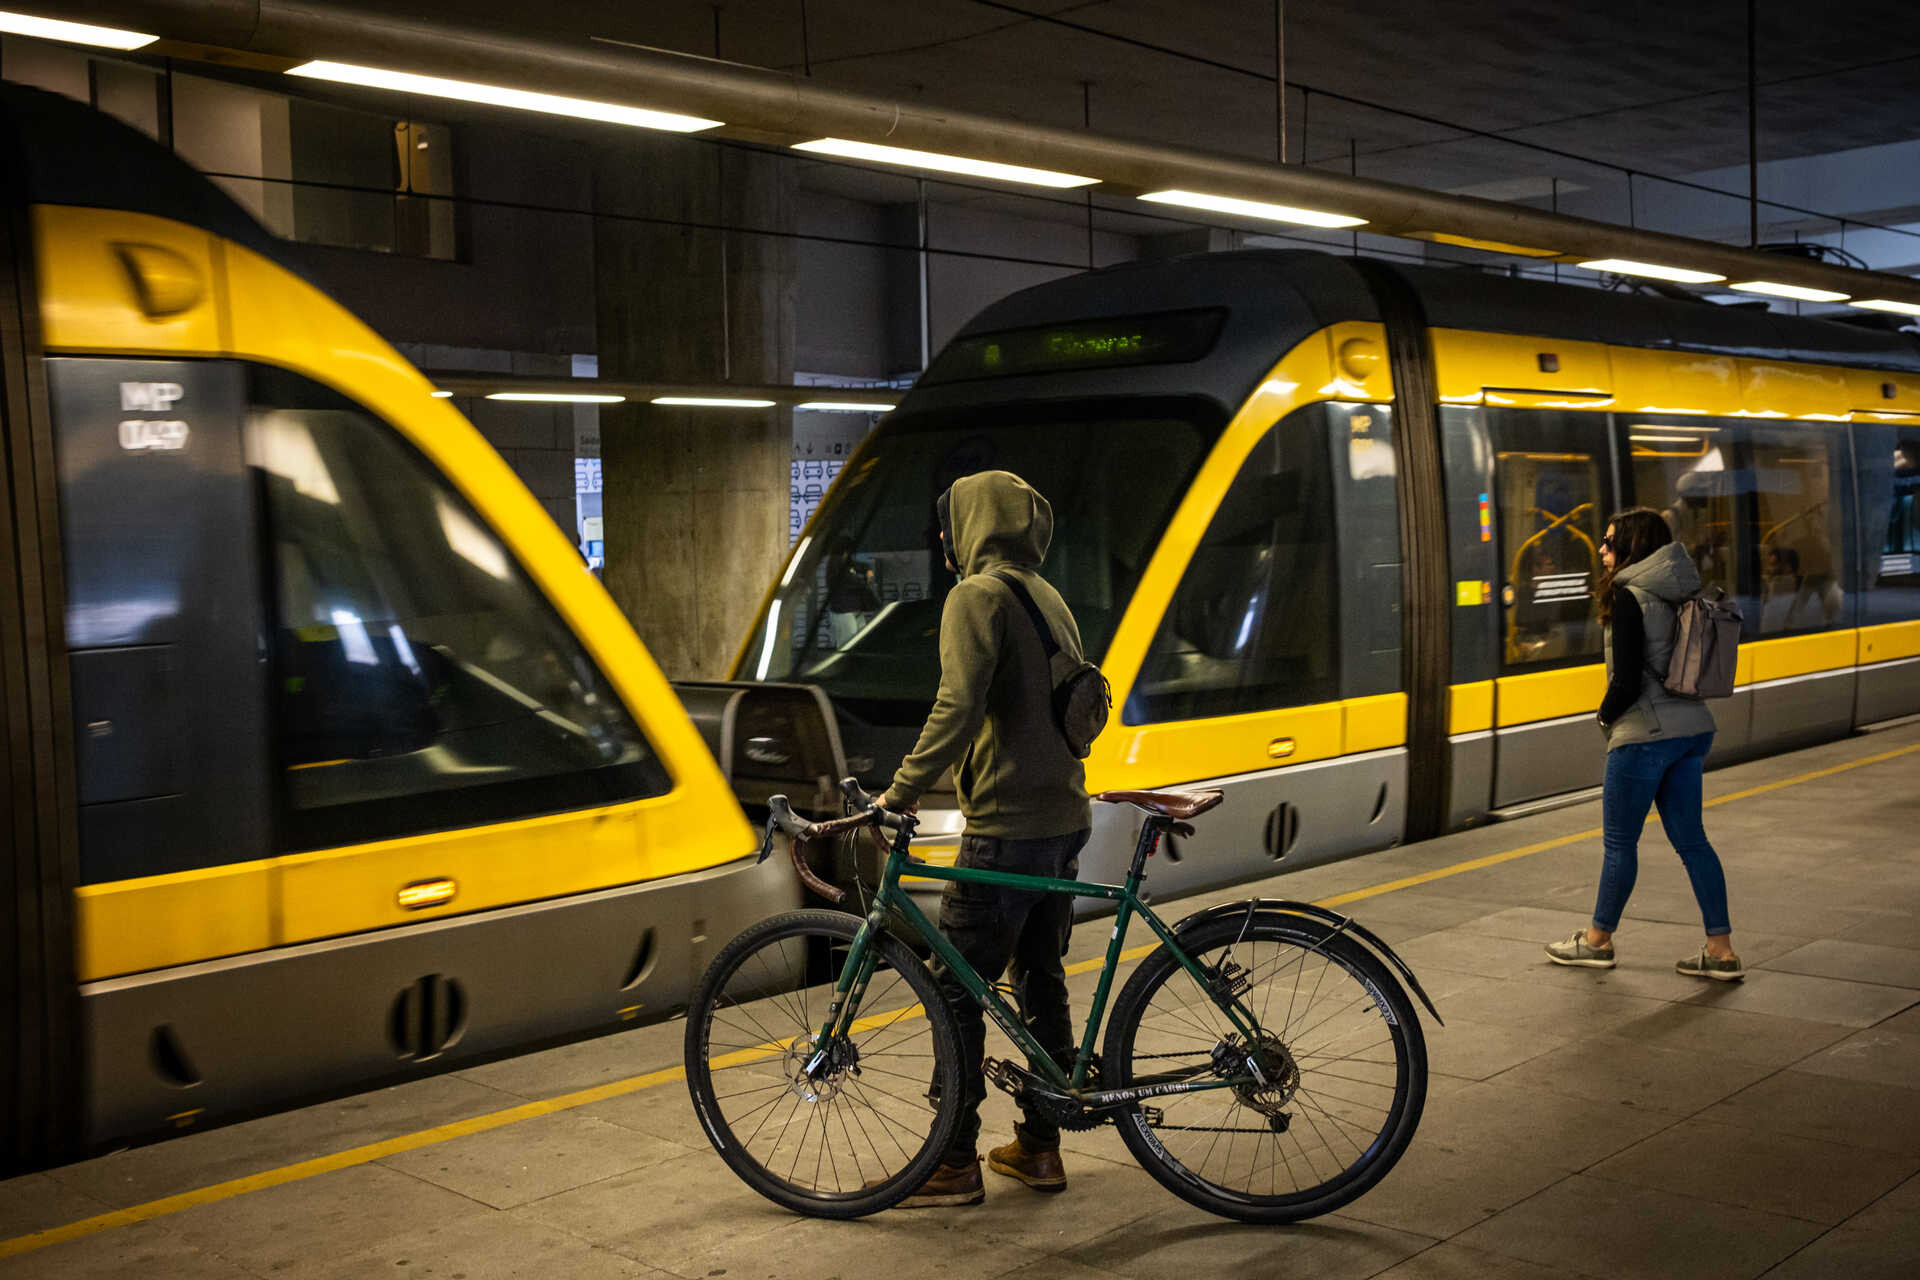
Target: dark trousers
<point>999,929</point>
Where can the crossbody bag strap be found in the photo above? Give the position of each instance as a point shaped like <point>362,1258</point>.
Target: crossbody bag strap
<point>1047,642</point>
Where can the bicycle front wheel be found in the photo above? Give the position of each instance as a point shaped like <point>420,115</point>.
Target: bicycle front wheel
<point>839,1135</point>
<point>1342,1068</point>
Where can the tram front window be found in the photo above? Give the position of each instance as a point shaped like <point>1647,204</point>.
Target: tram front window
<point>858,608</point>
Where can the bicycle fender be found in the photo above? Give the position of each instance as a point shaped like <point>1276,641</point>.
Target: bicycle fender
<point>1250,907</point>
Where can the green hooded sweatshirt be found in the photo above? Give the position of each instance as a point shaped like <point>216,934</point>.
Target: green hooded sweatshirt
<point>992,720</point>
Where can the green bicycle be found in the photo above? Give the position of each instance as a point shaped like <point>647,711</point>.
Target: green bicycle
<point>1263,1062</point>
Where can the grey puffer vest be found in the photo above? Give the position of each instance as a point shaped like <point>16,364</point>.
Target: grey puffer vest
<point>1658,583</point>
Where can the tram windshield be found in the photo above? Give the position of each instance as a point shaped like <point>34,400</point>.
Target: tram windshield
<point>858,608</point>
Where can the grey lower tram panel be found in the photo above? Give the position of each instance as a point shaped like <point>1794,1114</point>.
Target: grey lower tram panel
<point>1888,690</point>
<point>254,1031</point>
<point>1271,821</point>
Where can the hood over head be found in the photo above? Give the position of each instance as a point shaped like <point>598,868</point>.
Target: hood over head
<point>1667,573</point>
<point>992,518</point>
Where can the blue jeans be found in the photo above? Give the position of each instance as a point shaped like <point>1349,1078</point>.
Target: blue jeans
<point>1668,774</point>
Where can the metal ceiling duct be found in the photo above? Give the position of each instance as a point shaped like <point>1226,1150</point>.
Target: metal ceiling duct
<point>776,109</point>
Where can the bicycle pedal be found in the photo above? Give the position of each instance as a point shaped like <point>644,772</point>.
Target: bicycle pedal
<point>1003,1075</point>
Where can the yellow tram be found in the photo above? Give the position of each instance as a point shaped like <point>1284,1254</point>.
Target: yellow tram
<point>1329,525</point>
<point>326,756</point>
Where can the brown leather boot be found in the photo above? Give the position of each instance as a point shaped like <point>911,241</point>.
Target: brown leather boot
<point>949,1185</point>
<point>1040,1170</point>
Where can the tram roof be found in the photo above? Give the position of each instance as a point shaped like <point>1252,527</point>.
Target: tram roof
<point>1275,298</point>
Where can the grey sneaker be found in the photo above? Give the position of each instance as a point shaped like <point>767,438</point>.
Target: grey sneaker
<point>1702,965</point>
<point>1576,951</point>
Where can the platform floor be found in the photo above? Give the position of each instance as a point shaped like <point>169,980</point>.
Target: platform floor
<point>1614,1124</point>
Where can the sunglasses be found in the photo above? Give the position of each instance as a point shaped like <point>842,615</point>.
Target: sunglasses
<point>1606,543</point>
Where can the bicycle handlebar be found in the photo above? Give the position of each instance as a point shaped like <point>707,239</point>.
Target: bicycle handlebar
<point>781,817</point>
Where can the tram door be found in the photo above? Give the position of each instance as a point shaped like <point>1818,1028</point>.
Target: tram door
<point>163,623</point>
<point>1528,495</point>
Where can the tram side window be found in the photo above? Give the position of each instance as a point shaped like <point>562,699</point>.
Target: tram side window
<point>1254,623</point>
<point>1889,462</point>
<point>1691,470</point>
<point>1553,494</point>
<point>420,682</point>
<point>1797,530</point>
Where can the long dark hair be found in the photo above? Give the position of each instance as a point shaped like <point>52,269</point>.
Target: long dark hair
<point>1638,532</point>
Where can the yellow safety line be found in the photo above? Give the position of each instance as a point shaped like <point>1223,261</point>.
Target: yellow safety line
<point>633,1084</point>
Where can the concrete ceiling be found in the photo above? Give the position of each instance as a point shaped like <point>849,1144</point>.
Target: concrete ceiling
<point>1656,86</point>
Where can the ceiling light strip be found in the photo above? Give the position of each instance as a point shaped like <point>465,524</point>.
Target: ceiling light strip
<point>843,406</point>
<point>939,163</point>
<point>1798,292</point>
<point>499,96</point>
<point>1652,270</point>
<point>554,397</point>
<point>1253,209</point>
<point>1883,304</point>
<point>710,402</point>
<point>21,24</point>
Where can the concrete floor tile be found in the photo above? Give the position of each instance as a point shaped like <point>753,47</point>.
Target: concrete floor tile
<point>1184,1242</point>
<point>534,1159</point>
<point>1527,924</point>
<point>1853,962</point>
<point>1616,1070</point>
<point>665,1112</point>
<point>195,1160</point>
<point>1726,1033</point>
<point>1857,1113</point>
<point>1450,1261</point>
<point>34,1202</point>
<point>143,1251</point>
<point>1906,1022</point>
<point>1438,1189</point>
<point>1775,1172</point>
<point>497,1246</point>
<point>1476,1050</point>
<point>1855,1253</point>
<point>1591,1224</point>
<point>584,1063</point>
<point>1464,952</point>
<point>299,1225</point>
<point>1564,1003</point>
<point>1795,995</point>
<point>670,1216</point>
<point>1531,1124</point>
<point>908,1244</point>
<point>1876,1054</point>
<point>1888,929</point>
<point>1053,1269</point>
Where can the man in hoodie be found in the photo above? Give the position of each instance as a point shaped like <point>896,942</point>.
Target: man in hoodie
<point>1023,794</point>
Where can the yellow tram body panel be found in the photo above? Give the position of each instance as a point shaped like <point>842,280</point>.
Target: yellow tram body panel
<point>1889,642</point>
<point>1129,756</point>
<point>104,274</point>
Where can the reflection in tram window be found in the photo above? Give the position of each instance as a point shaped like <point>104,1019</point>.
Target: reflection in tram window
<point>1687,471</point>
<point>857,610</point>
<point>1889,461</point>
<point>1551,474</point>
<point>1254,623</point>
<point>420,681</point>
<point>1797,531</point>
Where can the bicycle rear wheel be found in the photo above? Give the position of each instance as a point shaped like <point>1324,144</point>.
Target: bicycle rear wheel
<point>867,1125</point>
<point>1339,1045</point>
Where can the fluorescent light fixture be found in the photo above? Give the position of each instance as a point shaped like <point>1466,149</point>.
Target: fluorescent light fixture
<point>1882,304</point>
<point>20,24</point>
<point>1700,440</point>
<point>1800,292</point>
<point>442,395</point>
<point>843,406</point>
<point>493,95</point>
<point>963,165</point>
<point>1652,270</point>
<point>554,397</point>
<point>711,402</point>
<point>1253,209</point>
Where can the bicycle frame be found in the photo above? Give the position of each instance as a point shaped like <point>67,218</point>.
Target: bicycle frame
<point>862,956</point>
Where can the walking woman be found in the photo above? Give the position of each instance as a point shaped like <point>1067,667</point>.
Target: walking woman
<point>1656,745</point>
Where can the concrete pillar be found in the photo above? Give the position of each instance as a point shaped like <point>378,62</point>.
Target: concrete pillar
<point>695,500</point>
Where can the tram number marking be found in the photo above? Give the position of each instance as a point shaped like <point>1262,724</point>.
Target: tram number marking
<point>139,435</point>
<point>150,397</point>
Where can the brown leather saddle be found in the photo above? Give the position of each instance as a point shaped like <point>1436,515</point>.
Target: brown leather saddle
<point>1177,805</point>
